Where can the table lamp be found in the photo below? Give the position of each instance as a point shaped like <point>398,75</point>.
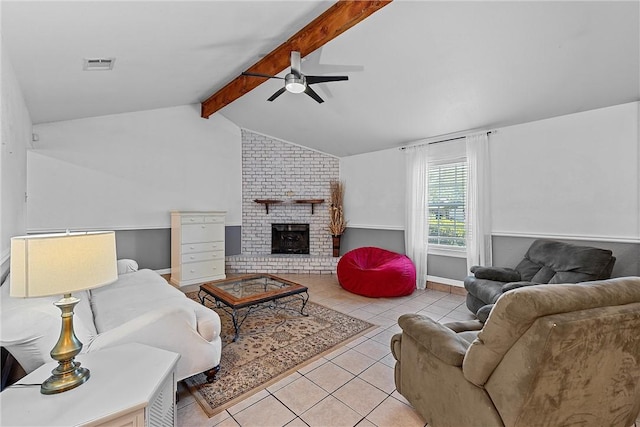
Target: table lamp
<point>62,263</point>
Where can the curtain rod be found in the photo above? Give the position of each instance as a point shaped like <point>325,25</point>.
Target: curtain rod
<point>443,140</point>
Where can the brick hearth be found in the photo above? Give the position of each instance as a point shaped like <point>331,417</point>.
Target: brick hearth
<point>301,264</point>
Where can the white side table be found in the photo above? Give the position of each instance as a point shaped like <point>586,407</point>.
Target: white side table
<point>132,385</point>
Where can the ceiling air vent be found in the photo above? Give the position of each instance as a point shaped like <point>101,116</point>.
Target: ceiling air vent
<point>98,64</point>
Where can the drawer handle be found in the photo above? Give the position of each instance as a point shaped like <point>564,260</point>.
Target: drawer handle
<point>192,257</point>
<point>192,219</point>
<point>192,271</point>
<point>191,247</point>
<point>203,226</point>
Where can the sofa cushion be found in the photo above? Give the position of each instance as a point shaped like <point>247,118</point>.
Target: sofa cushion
<point>130,296</point>
<point>527,269</point>
<point>544,275</point>
<point>30,327</point>
<point>546,258</point>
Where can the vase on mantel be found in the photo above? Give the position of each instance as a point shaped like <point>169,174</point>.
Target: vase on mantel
<point>336,245</point>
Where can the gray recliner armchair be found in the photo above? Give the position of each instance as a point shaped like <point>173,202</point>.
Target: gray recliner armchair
<point>554,355</point>
<point>546,262</point>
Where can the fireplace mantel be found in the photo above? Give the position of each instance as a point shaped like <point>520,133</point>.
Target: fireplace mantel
<point>267,202</point>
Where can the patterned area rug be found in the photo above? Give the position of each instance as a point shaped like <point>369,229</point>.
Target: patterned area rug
<point>273,343</point>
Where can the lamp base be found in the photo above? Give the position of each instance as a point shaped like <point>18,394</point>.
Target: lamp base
<point>68,374</point>
<point>65,378</point>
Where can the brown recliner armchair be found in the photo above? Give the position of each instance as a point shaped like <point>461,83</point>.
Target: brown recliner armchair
<point>555,355</point>
<point>546,261</point>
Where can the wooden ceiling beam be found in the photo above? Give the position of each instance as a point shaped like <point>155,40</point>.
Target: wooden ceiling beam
<point>334,21</point>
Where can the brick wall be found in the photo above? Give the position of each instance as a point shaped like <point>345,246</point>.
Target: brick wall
<point>274,169</point>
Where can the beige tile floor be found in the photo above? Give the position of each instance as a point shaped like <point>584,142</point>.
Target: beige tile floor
<point>352,386</point>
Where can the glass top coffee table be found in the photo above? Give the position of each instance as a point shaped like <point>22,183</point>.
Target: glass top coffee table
<point>239,296</point>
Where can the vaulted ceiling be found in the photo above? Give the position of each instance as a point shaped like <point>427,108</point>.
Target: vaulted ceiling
<point>416,69</point>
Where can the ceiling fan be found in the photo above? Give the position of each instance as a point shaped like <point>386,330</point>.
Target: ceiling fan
<point>296,82</point>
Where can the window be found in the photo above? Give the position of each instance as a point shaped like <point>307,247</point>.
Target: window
<point>446,200</point>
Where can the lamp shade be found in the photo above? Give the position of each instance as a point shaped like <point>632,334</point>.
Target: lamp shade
<point>61,263</point>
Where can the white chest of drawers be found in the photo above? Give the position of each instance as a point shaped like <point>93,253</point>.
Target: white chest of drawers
<point>197,247</point>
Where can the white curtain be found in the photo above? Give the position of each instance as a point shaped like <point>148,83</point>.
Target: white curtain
<point>478,209</point>
<point>416,229</point>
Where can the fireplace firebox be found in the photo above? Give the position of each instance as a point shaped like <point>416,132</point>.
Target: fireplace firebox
<point>289,238</point>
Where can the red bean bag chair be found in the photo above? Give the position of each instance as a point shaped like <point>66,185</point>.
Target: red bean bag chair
<point>376,272</point>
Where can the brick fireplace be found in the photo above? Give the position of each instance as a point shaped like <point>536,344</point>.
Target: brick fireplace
<point>287,173</point>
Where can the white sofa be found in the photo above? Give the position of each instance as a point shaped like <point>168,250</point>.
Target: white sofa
<point>139,307</point>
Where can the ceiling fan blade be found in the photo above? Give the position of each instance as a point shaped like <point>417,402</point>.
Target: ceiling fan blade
<point>277,94</point>
<point>261,75</point>
<point>312,93</point>
<point>296,68</point>
<point>324,79</point>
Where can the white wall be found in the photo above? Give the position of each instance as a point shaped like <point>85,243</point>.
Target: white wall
<point>16,136</point>
<point>127,171</point>
<point>374,189</point>
<point>573,176</point>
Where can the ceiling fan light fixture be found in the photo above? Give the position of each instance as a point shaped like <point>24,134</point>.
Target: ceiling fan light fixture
<point>295,84</point>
